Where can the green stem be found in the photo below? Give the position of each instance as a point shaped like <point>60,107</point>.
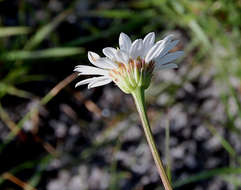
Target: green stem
<point>167,151</point>
<point>139,98</point>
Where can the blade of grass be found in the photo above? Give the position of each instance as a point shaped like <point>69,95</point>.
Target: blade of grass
<point>15,130</point>
<point>226,145</point>
<point>28,165</point>
<point>206,175</point>
<point>17,181</point>
<point>5,117</point>
<point>40,54</point>
<point>9,89</point>
<point>134,23</point>
<point>14,30</point>
<point>113,169</point>
<point>118,13</point>
<point>19,93</point>
<point>199,33</point>
<point>235,180</point>
<point>15,73</point>
<point>167,151</point>
<point>35,179</point>
<point>43,32</point>
<point>43,101</point>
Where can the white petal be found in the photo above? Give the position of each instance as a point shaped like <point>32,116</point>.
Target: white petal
<point>86,81</point>
<point>105,63</point>
<point>93,56</point>
<point>89,70</point>
<point>169,38</point>
<point>168,47</point>
<point>124,42</point>
<point>109,52</point>
<point>100,62</point>
<point>148,42</point>
<point>154,51</point>
<point>100,82</point>
<point>169,57</point>
<point>167,66</point>
<point>136,49</point>
<point>122,57</point>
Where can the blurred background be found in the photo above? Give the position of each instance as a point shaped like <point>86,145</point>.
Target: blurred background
<point>56,137</point>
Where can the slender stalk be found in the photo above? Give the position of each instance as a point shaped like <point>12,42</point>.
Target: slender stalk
<point>139,98</point>
<point>167,151</point>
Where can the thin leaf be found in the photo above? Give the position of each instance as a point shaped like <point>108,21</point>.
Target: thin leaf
<point>206,175</point>
<point>11,31</point>
<point>40,54</point>
<point>199,33</point>
<point>43,32</point>
<point>235,180</point>
<point>113,13</point>
<point>226,145</point>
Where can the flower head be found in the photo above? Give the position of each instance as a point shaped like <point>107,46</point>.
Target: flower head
<point>132,64</point>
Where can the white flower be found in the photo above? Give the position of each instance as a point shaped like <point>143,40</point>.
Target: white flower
<point>132,65</point>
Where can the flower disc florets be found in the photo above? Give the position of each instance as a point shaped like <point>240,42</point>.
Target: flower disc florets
<point>135,74</point>
<point>131,66</point>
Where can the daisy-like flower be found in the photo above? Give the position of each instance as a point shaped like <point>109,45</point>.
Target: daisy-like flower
<point>131,65</point>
